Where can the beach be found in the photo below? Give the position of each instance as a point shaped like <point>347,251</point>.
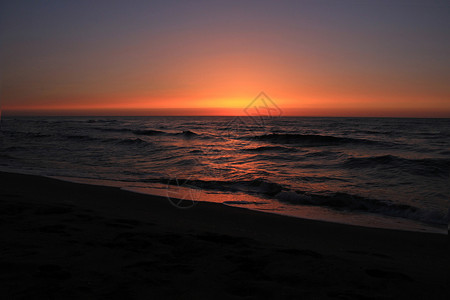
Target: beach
<point>63,240</point>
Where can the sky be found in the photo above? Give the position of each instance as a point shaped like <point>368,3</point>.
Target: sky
<point>312,58</point>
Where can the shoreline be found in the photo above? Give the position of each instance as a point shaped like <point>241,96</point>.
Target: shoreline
<point>361,219</point>
<point>58,229</point>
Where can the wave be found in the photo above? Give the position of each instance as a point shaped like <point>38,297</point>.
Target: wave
<point>101,121</point>
<point>79,137</point>
<point>37,135</point>
<point>310,139</point>
<point>41,135</point>
<point>6,156</point>
<point>115,141</point>
<point>322,154</point>
<point>348,202</point>
<point>14,133</point>
<point>187,133</point>
<point>337,201</point>
<point>427,166</point>
<point>270,149</point>
<point>136,141</point>
<point>185,162</point>
<point>15,148</point>
<point>113,129</point>
<point>321,179</point>
<point>151,132</point>
<point>257,186</point>
<point>196,151</point>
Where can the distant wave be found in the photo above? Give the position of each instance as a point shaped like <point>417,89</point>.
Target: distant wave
<point>80,137</point>
<point>37,135</point>
<point>184,161</point>
<point>7,156</point>
<point>269,149</point>
<point>101,121</point>
<point>113,129</point>
<point>321,179</point>
<point>14,133</point>
<point>115,141</point>
<point>196,151</point>
<point>426,166</point>
<point>149,132</point>
<point>41,135</point>
<point>375,132</point>
<point>322,154</point>
<point>186,133</point>
<point>137,141</point>
<point>15,148</point>
<point>125,141</point>
<point>310,139</point>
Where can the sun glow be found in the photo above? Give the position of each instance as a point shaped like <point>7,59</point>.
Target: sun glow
<point>215,60</point>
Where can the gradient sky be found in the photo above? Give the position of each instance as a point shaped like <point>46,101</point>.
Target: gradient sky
<point>321,58</point>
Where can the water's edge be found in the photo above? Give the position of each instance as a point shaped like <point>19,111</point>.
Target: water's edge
<point>304,212</point>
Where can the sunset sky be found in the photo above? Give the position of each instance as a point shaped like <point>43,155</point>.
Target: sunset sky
<point>313,58</point>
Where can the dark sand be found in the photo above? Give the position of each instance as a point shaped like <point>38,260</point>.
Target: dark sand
<point>62,240</point>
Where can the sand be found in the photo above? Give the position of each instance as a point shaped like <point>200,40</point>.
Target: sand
<point>62,240</point>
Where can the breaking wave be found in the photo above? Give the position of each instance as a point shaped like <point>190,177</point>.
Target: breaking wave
<point>337,201</point>
<point>347,202</point>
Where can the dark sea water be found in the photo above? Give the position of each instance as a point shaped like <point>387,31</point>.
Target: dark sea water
<point>382,172</point>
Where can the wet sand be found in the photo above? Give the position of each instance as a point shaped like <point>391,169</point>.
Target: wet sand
<point>62,240</point>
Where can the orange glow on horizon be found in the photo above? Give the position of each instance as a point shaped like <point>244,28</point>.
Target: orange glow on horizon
<point>234,106</point>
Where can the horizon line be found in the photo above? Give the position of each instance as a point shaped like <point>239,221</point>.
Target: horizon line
<point>225,112</point>
<point>228,116</point>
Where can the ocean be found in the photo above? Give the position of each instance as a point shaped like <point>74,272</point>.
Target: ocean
<point>376,172</point>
